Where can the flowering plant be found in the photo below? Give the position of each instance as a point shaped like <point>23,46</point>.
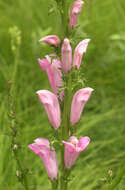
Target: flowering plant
<point>65,104</point>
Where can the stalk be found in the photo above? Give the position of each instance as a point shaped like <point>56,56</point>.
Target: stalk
<point>65,134</point>
<point>54,184</point>
<point>15,44</point>
<point>66,103</point>
<point>63,8</point>
<point>63,182</point>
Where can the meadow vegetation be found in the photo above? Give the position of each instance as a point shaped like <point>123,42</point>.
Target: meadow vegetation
<point>103,119</point>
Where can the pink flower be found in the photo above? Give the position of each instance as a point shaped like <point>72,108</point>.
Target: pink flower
<point>53,69</point>
<point>74,12</point>
<point>73,149</point>
<point>79,51</point>
<point>66,55</point>
<point>79,100</point>
<point>51,105</point>
<point>41,147</point>
<point>51,40</point>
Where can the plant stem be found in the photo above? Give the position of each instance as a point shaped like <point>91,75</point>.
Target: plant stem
<point>54,184</point>
<point>65,132</point>
<point>13,87</point>
<point>63,8</point>
<point>24,182</point>
<point>63,183</point>
<point>12,100</point>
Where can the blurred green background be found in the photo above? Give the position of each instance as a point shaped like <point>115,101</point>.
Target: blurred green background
<point>104,69</point>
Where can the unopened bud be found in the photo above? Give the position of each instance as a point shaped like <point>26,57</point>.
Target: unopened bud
<point>66,55</point>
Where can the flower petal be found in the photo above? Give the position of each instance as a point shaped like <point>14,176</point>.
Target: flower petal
<point>79,51</point>
<point>51,40</point>
<point>74,12</point>
<point>51,105</point>
<point>79,100</point>
<point>41,147</point>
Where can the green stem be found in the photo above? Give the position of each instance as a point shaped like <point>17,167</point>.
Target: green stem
<point>14,77</point>
<point>65,132</point>
<point>13,122</point>
<point>63,8</point>
<point>63,184</point>
<point>54,184</point>
<point>24,182</point>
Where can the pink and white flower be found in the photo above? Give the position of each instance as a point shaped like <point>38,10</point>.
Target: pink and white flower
<point>66,54</point>
<point>73,148</point>
<point>79,51</point>
<point>41,147</point>
<point>51,105</point>
<point>53,69</point>
<point>51,40</point>
<point>74,13</point>
<point>79,100</point>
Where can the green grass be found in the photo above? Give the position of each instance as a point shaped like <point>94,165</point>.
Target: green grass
<point>104,69</point>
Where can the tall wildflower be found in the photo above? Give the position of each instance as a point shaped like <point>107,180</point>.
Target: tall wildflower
<point>64,114</point>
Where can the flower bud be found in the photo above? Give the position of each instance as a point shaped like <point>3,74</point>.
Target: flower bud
<point>66,56</point>
<point>51,40</point>
<point>74,12</point>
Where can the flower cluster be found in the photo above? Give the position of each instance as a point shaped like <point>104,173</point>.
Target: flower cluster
<point>56,69</point>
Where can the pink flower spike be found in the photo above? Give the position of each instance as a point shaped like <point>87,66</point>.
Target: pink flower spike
<point>74,12</point>
<point>51,105</point>
<point>79,51</point>
<point>41,147</point>
<point>73,148</point>
<point>66,55</point>
<point>51,40</point>
<point>53,71</point>
<point>79,100</point>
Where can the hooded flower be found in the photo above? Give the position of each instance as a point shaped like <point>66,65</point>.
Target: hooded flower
<point>74,12</point>
<point>53,69</point>
<point>73,148</point>
<point>51,105</point>
<point>41,147</point>
<point>79,51</point>
<point>66,55</point>
<point>79,100</point>
<point>51,40</point>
